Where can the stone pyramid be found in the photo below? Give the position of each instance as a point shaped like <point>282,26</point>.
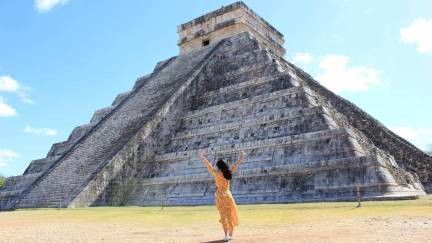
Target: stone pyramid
<point>229,90</point>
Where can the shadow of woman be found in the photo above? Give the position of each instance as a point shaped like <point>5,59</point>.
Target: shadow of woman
<point>214,241</point>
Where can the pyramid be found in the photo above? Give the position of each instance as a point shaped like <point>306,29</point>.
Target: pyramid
<point>228,90</point>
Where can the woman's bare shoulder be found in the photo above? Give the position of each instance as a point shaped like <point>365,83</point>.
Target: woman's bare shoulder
<point>218,172</point>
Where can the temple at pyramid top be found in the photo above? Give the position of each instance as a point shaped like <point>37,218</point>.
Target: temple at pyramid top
<point>228,21</point>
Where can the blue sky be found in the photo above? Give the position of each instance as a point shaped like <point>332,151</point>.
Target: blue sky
<point>62,60</point>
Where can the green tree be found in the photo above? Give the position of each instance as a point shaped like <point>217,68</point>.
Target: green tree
<point>2,179</point>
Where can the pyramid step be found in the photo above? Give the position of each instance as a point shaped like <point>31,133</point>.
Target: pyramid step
<point>18,183</point>
<point>265,127</point>
<point>201,123</point>
<point>256,51</point>
<point>79,132</point>
<point>250,120</point>
<point>120,97</point>
<point>100,114</point>
<point>252,100</point>
<point>14,187</point>
<point>159,66</point>
<point>261,144</point>
<point>294,97</point>
<point>58,149</point>
<point>255,81</point>
<point>40,165</point>
<point>246,58</point>
<point>254,171</point>
<point>271,156</point>
<point>247,89</point>
<point>141,81</point>
<point>242,73</point>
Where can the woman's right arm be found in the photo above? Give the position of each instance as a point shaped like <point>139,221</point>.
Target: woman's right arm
<point>237,163</point>
<point>206,162</point>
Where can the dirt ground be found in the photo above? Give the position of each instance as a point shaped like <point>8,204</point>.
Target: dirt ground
<point>382,221</point>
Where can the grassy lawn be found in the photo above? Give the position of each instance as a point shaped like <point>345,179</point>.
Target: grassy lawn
<point>381,221</point>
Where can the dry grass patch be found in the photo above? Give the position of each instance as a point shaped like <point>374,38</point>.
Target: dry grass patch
<point>381,221</point>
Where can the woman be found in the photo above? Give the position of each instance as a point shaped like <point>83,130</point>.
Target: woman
<point>224,200</point>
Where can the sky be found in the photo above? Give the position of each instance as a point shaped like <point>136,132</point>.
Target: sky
<point>61,60</point>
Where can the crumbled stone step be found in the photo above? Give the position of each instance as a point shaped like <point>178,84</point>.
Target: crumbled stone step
<point>120,97</point>
<point>79,132</point>
<point>100,114</point>
<point>40,165</point>
<point>57,149</point>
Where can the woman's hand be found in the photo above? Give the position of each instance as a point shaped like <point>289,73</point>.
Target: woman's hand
<point>237,163</point>
<point>202,153</point>
<point>206,162</point>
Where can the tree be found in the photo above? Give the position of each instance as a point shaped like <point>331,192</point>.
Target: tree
<point>2,180</point>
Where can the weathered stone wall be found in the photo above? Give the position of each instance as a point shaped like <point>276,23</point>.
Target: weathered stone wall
<point>229,21</point>
<point>406,155</point>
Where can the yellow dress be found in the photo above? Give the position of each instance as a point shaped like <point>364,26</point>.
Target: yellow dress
<point>224,200</point>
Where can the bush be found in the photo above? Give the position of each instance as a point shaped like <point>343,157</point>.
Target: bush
<point>2,180</point>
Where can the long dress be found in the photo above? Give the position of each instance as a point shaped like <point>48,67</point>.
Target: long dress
<point>223,198</point>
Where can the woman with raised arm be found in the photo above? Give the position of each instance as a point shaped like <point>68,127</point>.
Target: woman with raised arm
<point>224,200</point>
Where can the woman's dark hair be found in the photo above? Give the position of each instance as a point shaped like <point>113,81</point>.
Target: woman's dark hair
<point>225,169</point>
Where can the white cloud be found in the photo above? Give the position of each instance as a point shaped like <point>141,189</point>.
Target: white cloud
<point>7,156</point>
<point>302,58</point>
<point>8,84</point>
<point>40,131</point>
<point>420,137</point>
<point>6,110</point>
<point>419,33</point>
<point>46,5</point>
<point>337,76</point>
